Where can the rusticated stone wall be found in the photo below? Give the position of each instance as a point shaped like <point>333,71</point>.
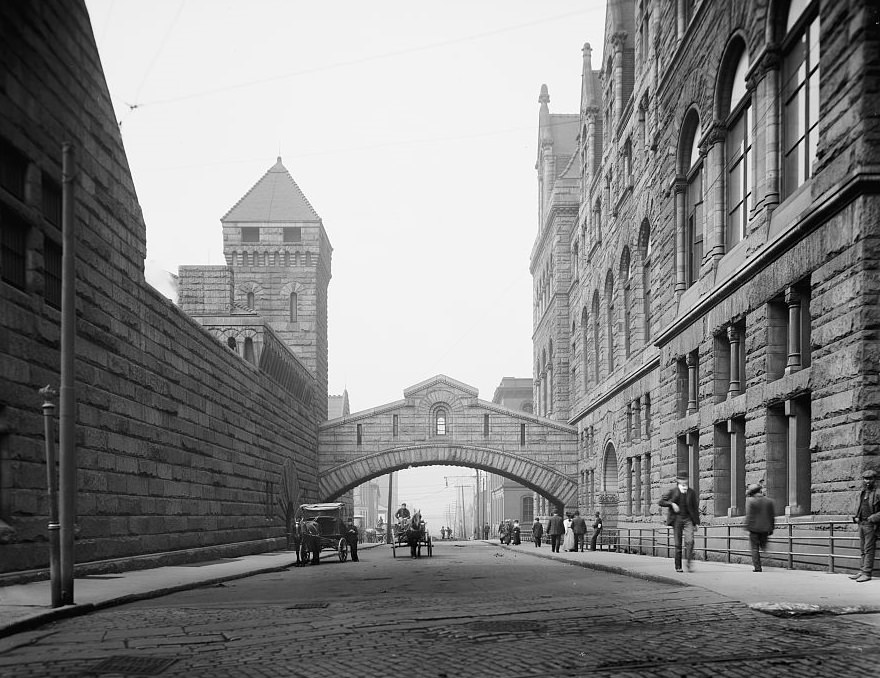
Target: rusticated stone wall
<point>180,442</point>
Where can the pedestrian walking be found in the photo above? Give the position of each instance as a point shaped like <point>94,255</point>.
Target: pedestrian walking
<point>537,532</point>
<point>579,527</point>
<point>352,536</point>
<point>486,531</point>
<point>597,531</point>
<point>516,533</point>
<point>760,521</point>
<point>867,516</point>
<point>683,517</point>
<point>555,528</point>
<point>568,539</point>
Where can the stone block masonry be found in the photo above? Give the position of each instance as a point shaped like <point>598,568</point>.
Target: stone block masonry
<point>180,442</point>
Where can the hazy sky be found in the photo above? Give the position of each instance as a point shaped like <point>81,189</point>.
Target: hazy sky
<point>411,127</point>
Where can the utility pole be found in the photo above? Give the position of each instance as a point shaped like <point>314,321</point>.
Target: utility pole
<point>67,414</point>
<point>388,521</point>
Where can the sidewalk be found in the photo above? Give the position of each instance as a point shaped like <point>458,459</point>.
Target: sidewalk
<point>776,590</point>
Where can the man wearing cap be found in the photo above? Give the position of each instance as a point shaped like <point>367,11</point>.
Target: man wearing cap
<point>537,532</point>
<point>555,528</point>
<point>760,521</point>
<point>868,518</point>
<point>402,512</point>
<point>683,516</point>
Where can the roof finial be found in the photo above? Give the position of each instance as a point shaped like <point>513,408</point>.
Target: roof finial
<point>544,97</point>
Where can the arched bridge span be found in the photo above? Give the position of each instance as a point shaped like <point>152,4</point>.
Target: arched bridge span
<point>559,488</point>
<point>442,421</point>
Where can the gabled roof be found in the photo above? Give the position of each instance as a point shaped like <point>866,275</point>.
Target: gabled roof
<point>274,198</point>
<point>440,379</point>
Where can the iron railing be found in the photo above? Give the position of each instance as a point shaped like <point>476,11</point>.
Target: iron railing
<point>827,544</point>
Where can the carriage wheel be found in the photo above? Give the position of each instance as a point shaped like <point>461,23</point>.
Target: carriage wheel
<point>342,549</point>
<point>430,547</point>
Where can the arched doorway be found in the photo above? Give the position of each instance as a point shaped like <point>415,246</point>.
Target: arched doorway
<point>609,470</point>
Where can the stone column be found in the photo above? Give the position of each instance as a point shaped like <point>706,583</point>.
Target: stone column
<point>692,383</point>
<point>714,190</point>
<point>769,117</point>
<point>637,419</point>
<point>679,188</point>
<point>735,368</point>
<point>793,301</point>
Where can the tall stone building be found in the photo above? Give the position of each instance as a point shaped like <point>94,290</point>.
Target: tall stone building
<point>705,286</point>
<point>277,269</point>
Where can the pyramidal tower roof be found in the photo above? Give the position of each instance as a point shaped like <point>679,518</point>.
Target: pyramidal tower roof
<point>274,198</point>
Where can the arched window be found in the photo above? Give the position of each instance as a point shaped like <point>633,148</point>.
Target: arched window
<point>596,333</point>
<point>308,258</point>
<point>609,324</point>
<point>440,422</point>
<point>297,259</point>
<point>231,344</point>
<point>287,258</point>
<point>585,333</point>
<point>292,305</point>
<point>250,300</point>
<point>692,166</point>
<point>737,107</point>
<point>800,94</point>
<point>645,252</point>
<point>249,351</point>
<point>626,284</point>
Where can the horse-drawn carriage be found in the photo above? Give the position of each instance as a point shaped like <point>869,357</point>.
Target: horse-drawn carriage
<point>411,532</point>
<point>321,527</point>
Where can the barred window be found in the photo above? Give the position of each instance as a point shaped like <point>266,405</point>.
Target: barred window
<point>13,170</point>
<point>13,248</point>
<point>52,273</point>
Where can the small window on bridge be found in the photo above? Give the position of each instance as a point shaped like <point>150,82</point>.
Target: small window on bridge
<point>440,428</point>
<point>522,434</point>
<point>360,434</point>
<point>486,425</point>
<point>395,425</point>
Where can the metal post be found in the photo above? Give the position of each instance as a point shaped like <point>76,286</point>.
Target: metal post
<point>831,546</point>
<point>52,487</point>
<point>388,521</point>
<point>790,549</point>
<point>67,419</point>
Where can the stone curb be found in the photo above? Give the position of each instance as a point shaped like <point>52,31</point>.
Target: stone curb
<point>601,567</point>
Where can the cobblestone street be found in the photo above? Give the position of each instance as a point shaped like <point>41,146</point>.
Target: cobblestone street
<point>471,610</point>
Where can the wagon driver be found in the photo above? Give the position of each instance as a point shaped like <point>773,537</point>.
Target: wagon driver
<point>402,513</point>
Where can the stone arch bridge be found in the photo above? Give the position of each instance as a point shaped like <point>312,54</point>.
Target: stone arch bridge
<point>441,421</point>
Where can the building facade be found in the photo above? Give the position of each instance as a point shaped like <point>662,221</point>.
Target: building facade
<point>704,295</point>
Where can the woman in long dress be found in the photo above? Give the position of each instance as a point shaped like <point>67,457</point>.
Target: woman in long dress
<point>568,540</point>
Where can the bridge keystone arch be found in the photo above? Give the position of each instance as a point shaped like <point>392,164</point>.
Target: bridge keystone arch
<point>441,421</point>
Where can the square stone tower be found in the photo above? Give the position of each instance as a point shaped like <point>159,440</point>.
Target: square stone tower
<point>278,268</point>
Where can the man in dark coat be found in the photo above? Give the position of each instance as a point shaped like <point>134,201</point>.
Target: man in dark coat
<point>555,528</point>
<point>537,532</point>
<point>597,531</point>
<point>760,521</point>
<point>867,515</point>
<point>579,527</point>
<point>352,536</point>
<point>683,517</point>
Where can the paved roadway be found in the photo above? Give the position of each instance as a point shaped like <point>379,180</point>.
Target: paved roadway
<point>473,609</point>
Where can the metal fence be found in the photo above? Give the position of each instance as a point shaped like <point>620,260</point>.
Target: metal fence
<point>823,544</point>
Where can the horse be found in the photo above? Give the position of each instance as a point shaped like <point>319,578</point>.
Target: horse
<point>309,542</point>
<point>415,534</point>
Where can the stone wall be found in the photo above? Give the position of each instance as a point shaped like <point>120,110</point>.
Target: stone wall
<point>180,443</point>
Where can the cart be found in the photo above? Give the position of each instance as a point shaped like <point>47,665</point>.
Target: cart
<point>324,524</point>
<point>399,539</point>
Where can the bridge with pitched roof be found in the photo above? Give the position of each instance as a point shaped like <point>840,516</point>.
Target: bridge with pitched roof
<point>441,421</point>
